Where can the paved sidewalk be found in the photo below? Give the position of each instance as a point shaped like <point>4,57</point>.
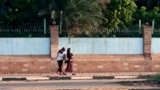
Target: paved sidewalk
<point>78,76</point>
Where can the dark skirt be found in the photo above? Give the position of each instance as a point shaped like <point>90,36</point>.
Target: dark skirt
<point>69,66</point>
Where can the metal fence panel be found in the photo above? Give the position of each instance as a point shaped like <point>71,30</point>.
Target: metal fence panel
<point>155,45</point>
<point>24,46</point>
<point>103,45</point>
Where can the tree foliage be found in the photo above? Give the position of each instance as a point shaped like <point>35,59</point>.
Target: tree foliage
<point>119,13</point>
<point>148,10</point>
<point>81,15</point>
<point>84,15</point>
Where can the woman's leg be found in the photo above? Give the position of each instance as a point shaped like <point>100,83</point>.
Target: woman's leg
<point>60,66</point>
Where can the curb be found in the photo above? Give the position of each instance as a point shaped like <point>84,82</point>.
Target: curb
<point>37,78</point>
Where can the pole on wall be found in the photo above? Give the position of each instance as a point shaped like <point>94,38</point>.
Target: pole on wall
<point>140,25</point>
<point>44,25</point>
<point>152,26</point>
<point>61,21</point>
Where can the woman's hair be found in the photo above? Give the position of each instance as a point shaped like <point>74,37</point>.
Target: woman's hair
<point>68,50</point>
<point>69,54</point>
<point>63,49</point>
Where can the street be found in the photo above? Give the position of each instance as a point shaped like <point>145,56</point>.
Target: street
<point>57,84</point>
<point>73,85</point>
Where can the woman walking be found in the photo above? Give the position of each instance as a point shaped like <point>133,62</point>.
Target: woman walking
<point>69,61</point>
<point>60,57</point>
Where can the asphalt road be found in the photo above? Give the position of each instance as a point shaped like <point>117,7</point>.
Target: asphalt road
<point>57,84</point>
<point>69,85</point>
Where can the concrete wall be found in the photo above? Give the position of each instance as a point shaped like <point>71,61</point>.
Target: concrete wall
<point>112,55</point>
<point>25,64</point>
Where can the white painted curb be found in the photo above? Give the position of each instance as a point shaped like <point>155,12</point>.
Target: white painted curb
<point>80,78</point>
<point>125,77</point>
<point>37,78</point>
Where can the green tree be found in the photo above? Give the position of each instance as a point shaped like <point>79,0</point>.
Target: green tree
<point>141,14</point>
<point>82,15</point>
<point>147,15</point>
<point>118,13</point>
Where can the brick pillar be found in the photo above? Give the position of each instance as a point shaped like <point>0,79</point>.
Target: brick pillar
<point>54,35</point>
<point>147,37</point>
